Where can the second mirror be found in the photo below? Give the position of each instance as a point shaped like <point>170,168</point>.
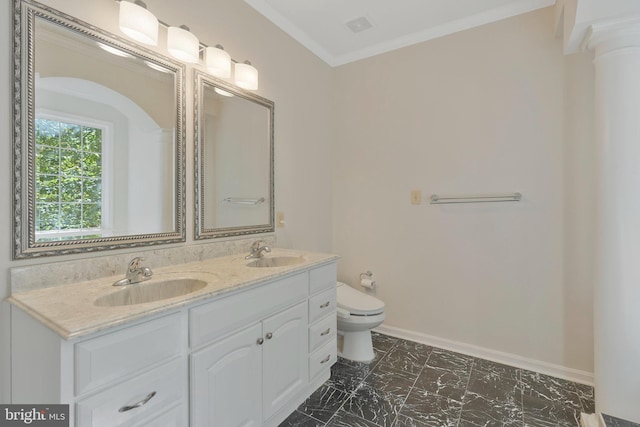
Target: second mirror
<point>234,160</point>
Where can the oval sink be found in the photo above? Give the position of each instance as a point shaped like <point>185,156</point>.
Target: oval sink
<point>150,292</point>
<point>276,261</point>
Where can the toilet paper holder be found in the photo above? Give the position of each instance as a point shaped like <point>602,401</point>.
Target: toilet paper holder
<point>368,275</point>
<point>366,280</point>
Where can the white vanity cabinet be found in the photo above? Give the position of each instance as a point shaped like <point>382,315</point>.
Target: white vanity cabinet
<point>247,357</point>
<point>261,363</point>
<point>248,376</point>
<point>128,377</point>
<point>323,346</point>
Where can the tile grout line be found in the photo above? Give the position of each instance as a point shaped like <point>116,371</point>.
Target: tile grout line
<point>412,386</point>
<point>352,393</point>
<point>466,389</point>
<point>521,382</point>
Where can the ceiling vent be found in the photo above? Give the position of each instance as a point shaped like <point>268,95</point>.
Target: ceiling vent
<point>359,24</point>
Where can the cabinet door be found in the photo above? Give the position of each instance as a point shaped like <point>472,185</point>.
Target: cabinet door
<point>226,381</point>
<point>285,362</point>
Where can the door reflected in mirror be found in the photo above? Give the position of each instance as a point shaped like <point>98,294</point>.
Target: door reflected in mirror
<point>103,162</point>
<point>235,160</point>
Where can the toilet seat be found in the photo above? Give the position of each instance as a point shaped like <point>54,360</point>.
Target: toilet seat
<point>358,303</point>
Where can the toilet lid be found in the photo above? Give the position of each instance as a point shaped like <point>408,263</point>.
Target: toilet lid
<point>357,302</point>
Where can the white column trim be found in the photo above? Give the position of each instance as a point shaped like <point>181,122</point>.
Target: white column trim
<point>616,43</point>
<point>612,33</point>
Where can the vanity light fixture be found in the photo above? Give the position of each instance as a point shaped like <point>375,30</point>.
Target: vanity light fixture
<point>246,76</point>
<point>138,23</point>
<point>218,61</point>
<point>142,25</point>
<point>183,45</point>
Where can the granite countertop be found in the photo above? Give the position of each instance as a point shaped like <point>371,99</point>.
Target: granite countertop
<point>69,310</point>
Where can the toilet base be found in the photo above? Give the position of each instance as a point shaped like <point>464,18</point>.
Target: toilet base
<point>356,346</point>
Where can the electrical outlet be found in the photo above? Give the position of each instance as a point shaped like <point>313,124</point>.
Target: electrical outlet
<point>416,197</point>
<point>280,219</point>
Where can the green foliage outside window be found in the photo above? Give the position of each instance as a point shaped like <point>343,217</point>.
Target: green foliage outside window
<point>68,177</point>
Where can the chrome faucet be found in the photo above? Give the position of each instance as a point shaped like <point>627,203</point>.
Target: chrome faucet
<point>257,249</point>
<point>135,273</point>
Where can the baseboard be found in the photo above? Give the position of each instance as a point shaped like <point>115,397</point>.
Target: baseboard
<point>571,374</point>
<point>591,420</point>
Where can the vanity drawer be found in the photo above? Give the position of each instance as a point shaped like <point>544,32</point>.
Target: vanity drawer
<point>175,417</point>
<point>322,331</point>
<point>123,353</point>
<point>322,304</point>
<point>168,382</point>
<point>323,358</point>
<point>322,278</point>
<point>210,321</point>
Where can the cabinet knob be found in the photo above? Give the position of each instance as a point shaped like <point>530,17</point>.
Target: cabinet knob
<point>138,404</point>
<point>326,304</point>
<point>269,335</point>
<point>260,341</point>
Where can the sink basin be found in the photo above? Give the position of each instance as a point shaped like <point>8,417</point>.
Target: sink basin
<point>148,292</point>
<point>276,261</point>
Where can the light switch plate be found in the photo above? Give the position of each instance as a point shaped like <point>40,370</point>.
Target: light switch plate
<point>416,197</point>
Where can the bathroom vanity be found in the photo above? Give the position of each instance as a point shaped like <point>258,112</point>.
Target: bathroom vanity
<point>245,349</point>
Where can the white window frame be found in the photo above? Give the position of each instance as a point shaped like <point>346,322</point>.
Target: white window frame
<point>107,175</point>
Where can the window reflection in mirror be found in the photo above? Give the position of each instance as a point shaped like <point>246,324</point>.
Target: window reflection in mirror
<point>69,200</point>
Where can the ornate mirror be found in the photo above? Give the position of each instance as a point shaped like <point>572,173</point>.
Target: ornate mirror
<point>234,160</point>
<point>99,140</point>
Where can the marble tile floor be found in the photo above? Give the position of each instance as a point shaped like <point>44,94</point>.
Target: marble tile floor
<point>610,421</point>
<point>415,385</point>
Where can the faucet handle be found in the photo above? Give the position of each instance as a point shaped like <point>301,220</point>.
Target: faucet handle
<point>134,264</point>
<point>256,245</point>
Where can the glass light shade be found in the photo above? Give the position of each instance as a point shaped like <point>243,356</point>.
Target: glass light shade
<point>246,76</point>
<point>223,92</point>
<point>138,23</point>
<point>218,62</point>
<point>157,67</point>
<point>114,50</point>
<point>183,45</point>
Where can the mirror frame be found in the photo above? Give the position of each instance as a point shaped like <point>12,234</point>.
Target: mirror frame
<point>201,80</point>
<point>24,244</point>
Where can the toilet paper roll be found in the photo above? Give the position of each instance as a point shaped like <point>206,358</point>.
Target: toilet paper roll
<point>367,283</point>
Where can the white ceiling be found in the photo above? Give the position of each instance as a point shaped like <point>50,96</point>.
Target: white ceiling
<point>321,25</point>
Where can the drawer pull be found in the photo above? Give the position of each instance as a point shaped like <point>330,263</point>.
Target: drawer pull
<point>325,332</point>
<point>326,359</point>
<point>326,304</point>
<point>139,404</point>
<point>269,335</point>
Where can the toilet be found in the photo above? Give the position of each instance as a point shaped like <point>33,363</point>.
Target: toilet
<point>358,314</point>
